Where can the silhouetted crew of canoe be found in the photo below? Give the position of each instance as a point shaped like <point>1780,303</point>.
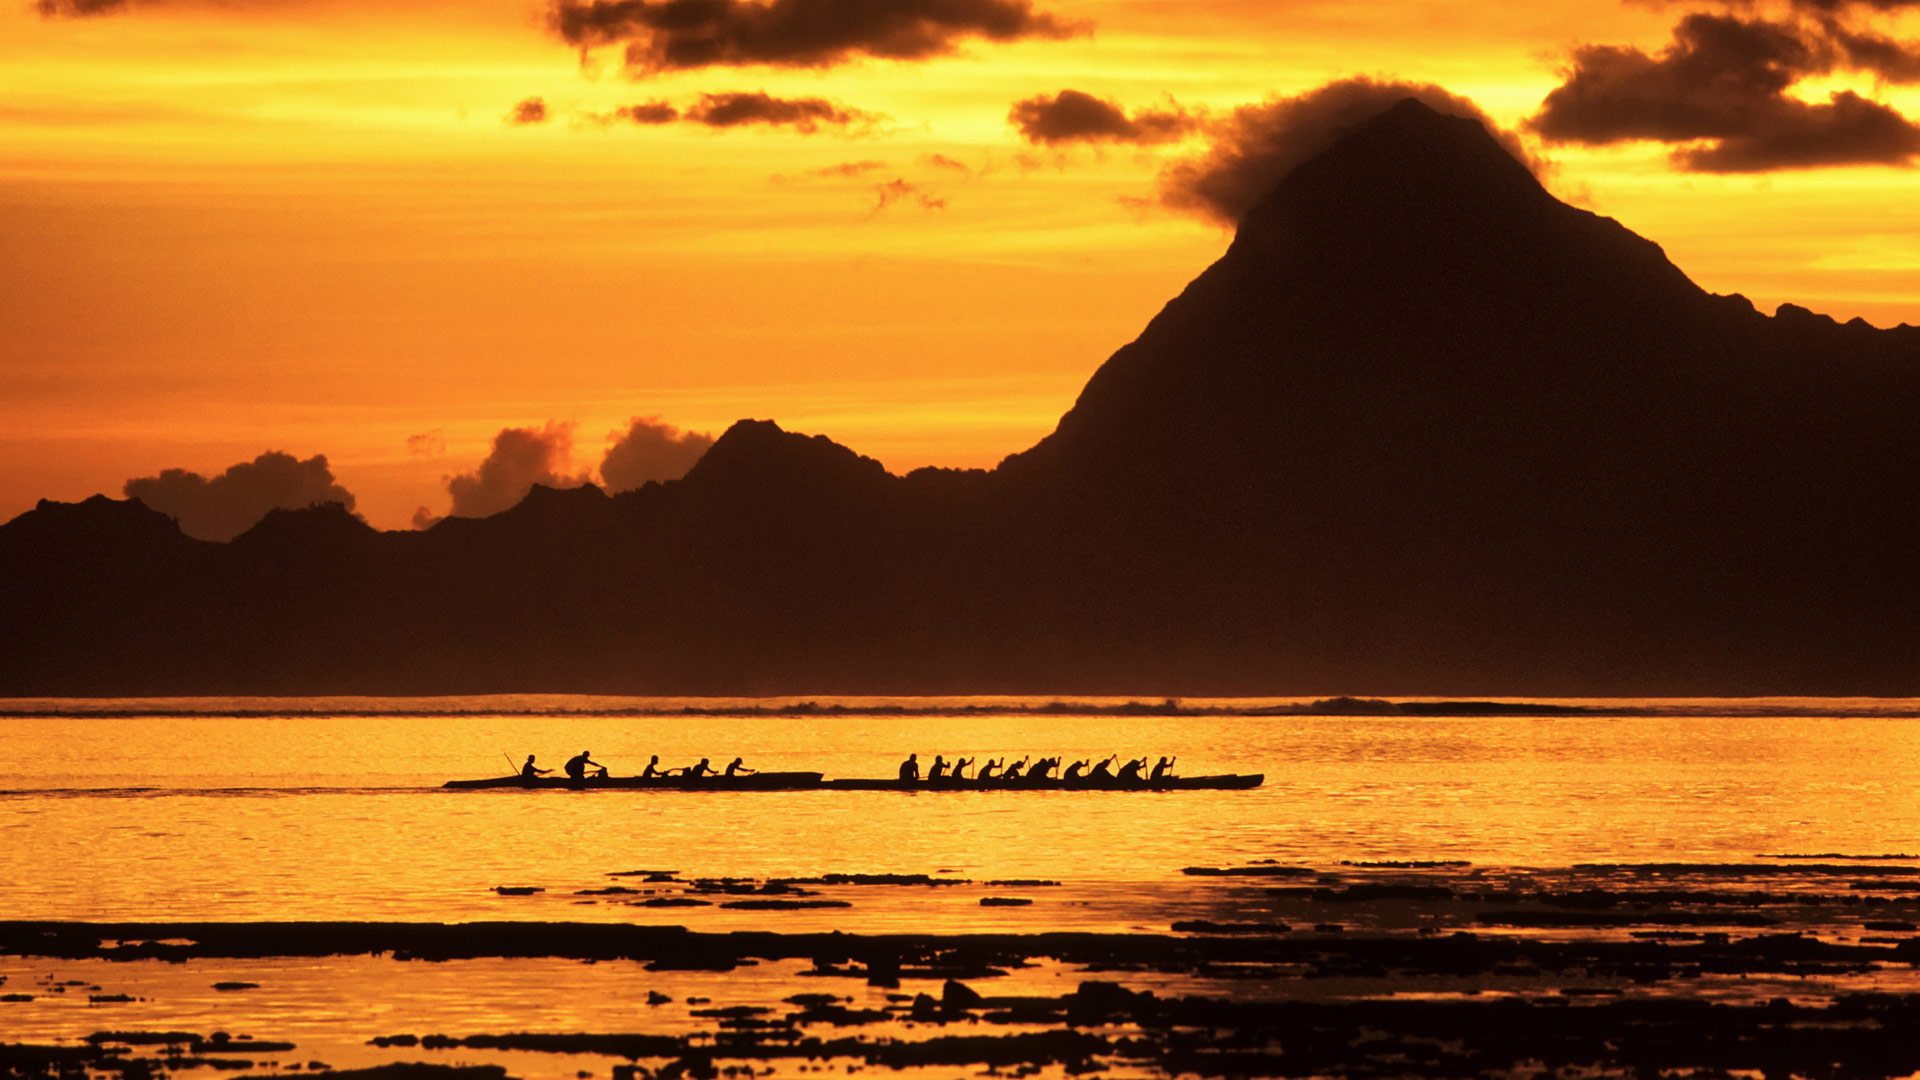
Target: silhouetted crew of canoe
<point>1227,782</point>
<point>712,781</point>
<point>813,781</point>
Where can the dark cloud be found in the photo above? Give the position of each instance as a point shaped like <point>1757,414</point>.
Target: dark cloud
<point>1847,130</point>
<point>1847,6</point>
<point>648,112</point>
<point>742,109</point>
<point>650,450</point>
<point>78,9</point>
<point>850,168</point>
<point>676,34</point>
<point>1076,116</point>
<point>1863,50</point>
<point>1258,145</point>
<point>533,110</point>
<point>759,107</point>
<point>520,458</point>
<point>1720,89</point>
<point>900,188</point>
<point>229,504</point>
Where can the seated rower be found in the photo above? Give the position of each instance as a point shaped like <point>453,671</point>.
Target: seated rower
<point>960,767</point>
<point>697,771</point>
<point>576,767</point>
<point>653,771</point>
<point>1163,769</point>
<point>1130,772</point>
<point>910,769</point>
<point>987,770</point>
<point>528,772</point>
<point>734,768</point>
<point>939,769</point>
<point>1042,767</point>
<point>1013,770</point>
<point>1101,772</point>
<point>1074,770</point>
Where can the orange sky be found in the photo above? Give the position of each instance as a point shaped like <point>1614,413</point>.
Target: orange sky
<point>239,225</point>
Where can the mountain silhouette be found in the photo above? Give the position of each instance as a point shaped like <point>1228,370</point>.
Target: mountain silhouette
<point>1422,429</point>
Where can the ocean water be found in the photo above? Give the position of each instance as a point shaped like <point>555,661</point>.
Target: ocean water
<point>187,809</point>
<point>278,809</point>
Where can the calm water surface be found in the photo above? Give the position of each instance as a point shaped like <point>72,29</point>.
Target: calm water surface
<point>190,816</point>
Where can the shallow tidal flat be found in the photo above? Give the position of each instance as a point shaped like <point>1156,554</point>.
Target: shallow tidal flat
<point>1802,965</point>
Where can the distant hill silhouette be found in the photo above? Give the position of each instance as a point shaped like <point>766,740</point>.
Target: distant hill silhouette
<point>1422,429</point>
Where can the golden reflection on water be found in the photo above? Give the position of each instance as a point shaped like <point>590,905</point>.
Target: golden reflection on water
<point>261,817</point>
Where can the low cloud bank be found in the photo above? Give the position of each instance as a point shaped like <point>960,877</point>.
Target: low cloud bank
<point>650,450</point>
<point>647,450</point>
<point>224,506</point>
<point>520,458</point>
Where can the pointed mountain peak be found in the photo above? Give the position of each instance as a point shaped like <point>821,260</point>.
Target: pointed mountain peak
<point>1410,159</point>
<point>1427,218</point>
<point>1414,260</point>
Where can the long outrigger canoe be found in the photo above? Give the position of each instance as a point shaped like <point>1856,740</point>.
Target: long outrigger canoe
<point>765,781</point>
<point>813,781</point>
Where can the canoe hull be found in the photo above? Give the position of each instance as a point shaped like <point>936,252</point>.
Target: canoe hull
<point>812,781</point>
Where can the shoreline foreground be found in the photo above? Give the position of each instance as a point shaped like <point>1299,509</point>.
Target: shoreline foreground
<point>1806,965</point>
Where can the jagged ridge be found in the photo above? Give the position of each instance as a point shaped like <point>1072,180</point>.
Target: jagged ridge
<point>1422,429</point>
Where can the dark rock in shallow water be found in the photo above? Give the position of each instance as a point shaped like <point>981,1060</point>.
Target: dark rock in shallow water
<point>420,1070</point>
<point>1248,871</point>
<point>783,905</point>
<point>1203,926</point>
<point>883,970</point>
<point>1004,901</point>
<point>1368,893</point>
<point>956,995</point>
<point>875,879</point>
<point>236,986</point>
<point>1098,1002</point>
<point>731,1012</point>
<point>518,890</point>
<point>1551,919</point>
<point>698,963</point>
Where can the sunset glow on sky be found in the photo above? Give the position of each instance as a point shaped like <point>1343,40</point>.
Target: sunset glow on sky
<point>383,232</point>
